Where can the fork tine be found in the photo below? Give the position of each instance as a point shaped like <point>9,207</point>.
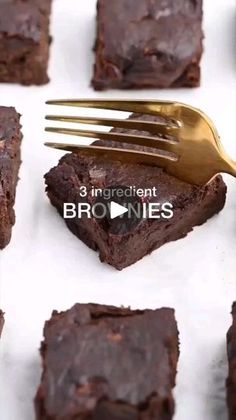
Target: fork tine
<point>146,107</point>
<point>149,126</point>
<point>147,141</point>
<point>124,155</point>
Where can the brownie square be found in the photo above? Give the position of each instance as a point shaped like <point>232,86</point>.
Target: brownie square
<point>192,205</point>
<point>107,363</point>
<point>10,142</point>
<point>231,380</point>
<point>24,41</point>
<point>148,44</point>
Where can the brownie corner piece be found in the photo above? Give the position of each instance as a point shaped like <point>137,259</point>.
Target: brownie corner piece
<point>24,41</point>
<point>106,363</point>
<point>231,380</point>
<point>143,44</point>
<point>10,159</point>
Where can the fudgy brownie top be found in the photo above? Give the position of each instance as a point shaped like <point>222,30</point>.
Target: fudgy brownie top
<point>98,172</point>
<point>92,352</point>
<point>23,18</point>
<point>169,31</point>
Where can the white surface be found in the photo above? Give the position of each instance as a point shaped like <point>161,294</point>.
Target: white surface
<point>46,267</point>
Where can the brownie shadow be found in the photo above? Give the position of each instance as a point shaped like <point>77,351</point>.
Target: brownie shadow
<point>217,397</point>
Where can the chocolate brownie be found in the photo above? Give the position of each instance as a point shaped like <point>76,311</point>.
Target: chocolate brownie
<point>107,363</point>
<point>192,205</point>
<point>148,44</point>
<point>10,142</point>
<point>1,321</point>
<point>231,380</point>
<point>24,41</point>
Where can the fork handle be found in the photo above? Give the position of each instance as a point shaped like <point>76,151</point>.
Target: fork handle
<point>229,166</point>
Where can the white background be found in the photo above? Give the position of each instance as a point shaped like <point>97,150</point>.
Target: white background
<point>46,267</point>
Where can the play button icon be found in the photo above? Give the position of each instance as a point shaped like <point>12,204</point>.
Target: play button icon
<point>122,215</point>
<point>117,210</point>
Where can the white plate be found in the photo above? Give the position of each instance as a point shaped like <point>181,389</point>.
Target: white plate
<point>46,267</point>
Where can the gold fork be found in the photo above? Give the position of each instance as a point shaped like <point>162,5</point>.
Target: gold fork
<point>191,150</point>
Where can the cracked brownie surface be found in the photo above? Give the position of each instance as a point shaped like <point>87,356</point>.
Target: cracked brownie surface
<point>148,43</point>
<point>102,362</point>
<point>24,41</point>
